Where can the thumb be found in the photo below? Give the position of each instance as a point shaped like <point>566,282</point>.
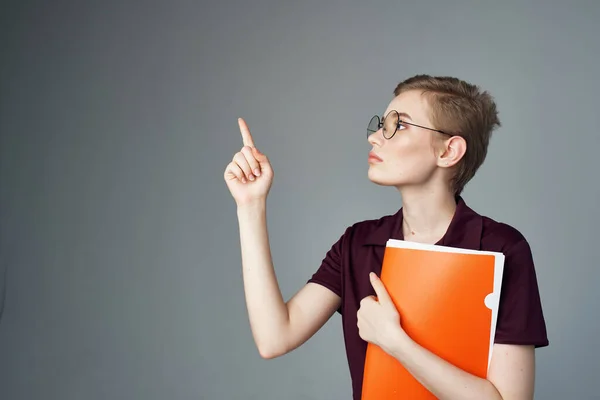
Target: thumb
<point>261,158</point>
<point>382,294</point>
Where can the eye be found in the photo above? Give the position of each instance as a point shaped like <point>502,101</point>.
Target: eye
<point>401,125</point>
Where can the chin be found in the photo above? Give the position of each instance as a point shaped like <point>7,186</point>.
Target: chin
<point>381,179</point>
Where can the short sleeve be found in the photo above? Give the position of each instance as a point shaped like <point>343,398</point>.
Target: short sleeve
<point>520,316</point>
<point>329,274</point>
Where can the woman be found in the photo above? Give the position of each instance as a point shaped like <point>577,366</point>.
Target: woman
<point>431,141</point>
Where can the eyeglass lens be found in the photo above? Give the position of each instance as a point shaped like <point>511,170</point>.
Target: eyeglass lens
<point>390,124</point>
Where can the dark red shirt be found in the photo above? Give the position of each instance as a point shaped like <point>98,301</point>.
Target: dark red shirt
<point>346,266</point>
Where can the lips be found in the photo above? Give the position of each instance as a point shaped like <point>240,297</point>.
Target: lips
<point>374,157</point>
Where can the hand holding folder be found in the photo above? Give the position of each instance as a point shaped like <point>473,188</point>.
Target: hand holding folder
<point>448,300</point>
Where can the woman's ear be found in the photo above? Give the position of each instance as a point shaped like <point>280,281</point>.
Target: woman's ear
<point>453,151</point>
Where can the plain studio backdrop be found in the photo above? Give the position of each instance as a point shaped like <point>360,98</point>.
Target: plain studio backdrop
<point>120,238</point>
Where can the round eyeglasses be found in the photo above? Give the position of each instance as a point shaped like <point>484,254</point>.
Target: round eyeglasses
<point>391,123</point>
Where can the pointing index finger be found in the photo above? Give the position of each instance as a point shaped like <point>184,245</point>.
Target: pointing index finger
<point>246,136</point>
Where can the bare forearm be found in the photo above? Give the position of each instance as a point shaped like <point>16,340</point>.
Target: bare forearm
<point>441,378</point>
<point>267,310</point>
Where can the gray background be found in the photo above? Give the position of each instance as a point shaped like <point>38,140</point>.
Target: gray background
<point>117,120</point>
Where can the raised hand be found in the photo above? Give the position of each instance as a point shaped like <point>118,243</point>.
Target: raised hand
<point>249,175</point>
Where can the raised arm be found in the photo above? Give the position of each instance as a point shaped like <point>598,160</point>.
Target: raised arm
<point>278,327</point>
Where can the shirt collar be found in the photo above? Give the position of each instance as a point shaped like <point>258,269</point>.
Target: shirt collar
<point>464,231</point>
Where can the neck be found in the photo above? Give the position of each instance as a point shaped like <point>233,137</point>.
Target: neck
<point>426,213</point>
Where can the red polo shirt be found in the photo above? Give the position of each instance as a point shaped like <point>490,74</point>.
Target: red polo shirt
<point>346,266</point>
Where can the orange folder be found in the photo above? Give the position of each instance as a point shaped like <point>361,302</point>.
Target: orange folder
<point>448,303</point>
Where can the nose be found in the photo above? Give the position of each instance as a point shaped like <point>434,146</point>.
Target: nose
<point>375,138</point>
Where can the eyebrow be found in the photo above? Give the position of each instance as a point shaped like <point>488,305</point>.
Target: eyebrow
<point>404,115</point>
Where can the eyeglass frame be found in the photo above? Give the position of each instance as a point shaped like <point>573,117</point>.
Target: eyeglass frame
<point>381,121</point>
